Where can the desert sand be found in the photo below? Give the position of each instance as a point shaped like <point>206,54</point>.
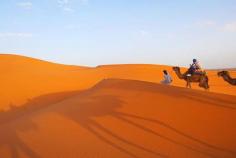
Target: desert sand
<point>52,110</point>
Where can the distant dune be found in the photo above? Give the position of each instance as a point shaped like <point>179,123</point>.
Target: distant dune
<point>24,78</point>
<point>50,110</point>
<point>226,69</point>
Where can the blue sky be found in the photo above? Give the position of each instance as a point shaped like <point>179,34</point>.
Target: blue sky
<point>95,32</point>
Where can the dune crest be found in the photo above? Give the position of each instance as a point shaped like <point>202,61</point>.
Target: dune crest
<point>24,78</point>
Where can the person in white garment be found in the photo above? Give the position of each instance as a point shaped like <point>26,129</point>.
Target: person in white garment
<point>167,78</point>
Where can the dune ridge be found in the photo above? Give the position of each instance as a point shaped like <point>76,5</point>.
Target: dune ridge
<point>24,78</point>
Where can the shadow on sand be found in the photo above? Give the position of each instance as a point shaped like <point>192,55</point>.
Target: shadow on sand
<point>83,108</point>
<point>11,124</point>
<point>213,99</point>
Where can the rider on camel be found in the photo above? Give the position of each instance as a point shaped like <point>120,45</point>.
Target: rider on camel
<point>195,68</point>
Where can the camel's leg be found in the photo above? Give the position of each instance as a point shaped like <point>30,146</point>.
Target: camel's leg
<point>203,83</point>
<point>188,83</point>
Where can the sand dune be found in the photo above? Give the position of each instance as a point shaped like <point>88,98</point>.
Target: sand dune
<point>122,118</point>
<point>50,110</point>
<point>24,78</point>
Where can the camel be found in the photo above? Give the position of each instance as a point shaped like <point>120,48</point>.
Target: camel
<point>202,79</point>
<point>227,77</point>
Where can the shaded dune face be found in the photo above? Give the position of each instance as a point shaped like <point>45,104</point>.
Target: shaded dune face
<point>121,118</point>
<point>25,78</point>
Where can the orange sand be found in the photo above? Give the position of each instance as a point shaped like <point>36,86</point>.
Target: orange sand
<point>51,110</point>
<point>24,78</point>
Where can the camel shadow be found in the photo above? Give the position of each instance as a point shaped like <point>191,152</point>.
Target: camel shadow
<point>11,125</point>
<point>10,138</point>
<point>83,108</point>
<point>161,123</point>
<point>84,112</point>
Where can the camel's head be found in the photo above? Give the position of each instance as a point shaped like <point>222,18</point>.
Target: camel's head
<point>176,68</point>
<point>222,73</point>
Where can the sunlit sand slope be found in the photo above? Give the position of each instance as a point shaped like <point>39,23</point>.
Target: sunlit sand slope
<point>24,78</point>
